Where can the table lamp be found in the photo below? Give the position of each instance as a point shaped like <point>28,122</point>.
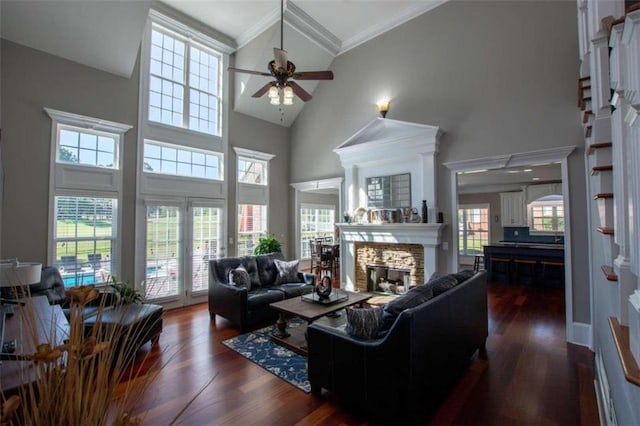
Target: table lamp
<point>15,274</point>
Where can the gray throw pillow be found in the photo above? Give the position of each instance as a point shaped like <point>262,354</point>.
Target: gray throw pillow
<point>463,275</point>
<point>239,277</point>
<point>287,271</point>
<point>414,297</point>
<point>434,276</point>
<point>363,323</point>
<point>442,284</point>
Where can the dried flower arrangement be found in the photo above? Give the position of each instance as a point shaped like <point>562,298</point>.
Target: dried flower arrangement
<point>79,381</point>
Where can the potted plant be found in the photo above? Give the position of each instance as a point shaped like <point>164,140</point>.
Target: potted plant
<point>126,291</point>
<point>268,244</point>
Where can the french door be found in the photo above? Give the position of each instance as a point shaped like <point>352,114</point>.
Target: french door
<point>181,237</point>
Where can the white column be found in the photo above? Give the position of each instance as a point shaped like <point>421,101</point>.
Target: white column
<point>428,179</point>
<point>430,261</point>
<point>348,267</point>
<point>351,188</point>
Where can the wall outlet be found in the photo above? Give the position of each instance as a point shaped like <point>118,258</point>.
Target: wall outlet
<point>445,246</point>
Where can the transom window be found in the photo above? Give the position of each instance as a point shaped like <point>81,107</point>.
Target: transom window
<point>182,161</point>
<point>252,171</point>
<point>473,229</point>
<point>176,100</point>
<point>547,214</point>
<point>86,147</point>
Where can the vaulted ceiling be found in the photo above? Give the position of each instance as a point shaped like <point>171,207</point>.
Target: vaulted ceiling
<point>107,34</point>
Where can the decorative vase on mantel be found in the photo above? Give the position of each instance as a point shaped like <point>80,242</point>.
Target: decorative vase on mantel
<point>425,212</point>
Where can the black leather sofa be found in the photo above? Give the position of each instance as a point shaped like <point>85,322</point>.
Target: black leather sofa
<point>401,377</point>
<point>245,308</point>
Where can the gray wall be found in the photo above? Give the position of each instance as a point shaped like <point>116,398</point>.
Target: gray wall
<point>496,232</point>
<point>498,77</point>
<point>32,80</point>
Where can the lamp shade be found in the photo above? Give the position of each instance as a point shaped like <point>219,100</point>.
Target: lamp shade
<point>13,274</point>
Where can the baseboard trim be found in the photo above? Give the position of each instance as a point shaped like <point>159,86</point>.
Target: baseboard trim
<point>581,335</point>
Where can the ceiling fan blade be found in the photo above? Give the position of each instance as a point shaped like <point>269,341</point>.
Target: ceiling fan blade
<point>248,71</point>
<point>280,57</point>
<point>299,91</point>
<point>264,89</point>
<point>313,75</point>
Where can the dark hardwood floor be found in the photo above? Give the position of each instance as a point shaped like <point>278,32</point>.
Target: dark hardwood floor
<point>530,376</point>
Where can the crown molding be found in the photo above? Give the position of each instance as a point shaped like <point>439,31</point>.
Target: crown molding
<point>511,160</point>
<point>392,22</point>
<point>300,21</point>
<point>312,29</point>
<point>258,28</point>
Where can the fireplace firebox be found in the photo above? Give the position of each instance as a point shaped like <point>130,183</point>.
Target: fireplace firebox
<point>386,280</point>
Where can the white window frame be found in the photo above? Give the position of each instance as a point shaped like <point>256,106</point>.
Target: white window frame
<point>249,193</point>
<point>474,206</point>
<point>175,188</point>
<point>183,135</point>
<point>316,207</point>
<point>192,151</point>
<point>79,180</point>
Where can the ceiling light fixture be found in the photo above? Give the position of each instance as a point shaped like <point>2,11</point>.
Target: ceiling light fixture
<point>284,71</point>
<point>383,107</point>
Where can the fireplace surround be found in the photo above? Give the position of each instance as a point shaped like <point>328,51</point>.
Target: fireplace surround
<point>412,246</point>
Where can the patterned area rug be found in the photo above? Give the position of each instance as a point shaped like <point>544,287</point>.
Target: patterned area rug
<point>258,347</point>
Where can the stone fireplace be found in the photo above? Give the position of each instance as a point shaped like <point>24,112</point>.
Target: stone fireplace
<point>395,258</point>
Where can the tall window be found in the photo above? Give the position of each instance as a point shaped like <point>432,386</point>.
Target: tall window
<point>252,224</point>
<point>473,229</point>
<point>547,214</point>
<point>315,222</point>
<point>253,197</point>
<point>86,192</point>
<point>184,83</point>
<point>84,237</point>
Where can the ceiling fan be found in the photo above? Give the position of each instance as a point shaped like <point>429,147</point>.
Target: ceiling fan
<point>284,71</point>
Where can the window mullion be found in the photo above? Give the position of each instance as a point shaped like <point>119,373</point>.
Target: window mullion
<point>187,85</point>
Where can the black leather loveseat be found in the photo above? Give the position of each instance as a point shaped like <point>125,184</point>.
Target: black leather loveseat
<point>249,307</point>
<point>403,375</point>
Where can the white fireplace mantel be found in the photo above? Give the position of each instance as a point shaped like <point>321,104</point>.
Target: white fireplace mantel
<point>429,235</point>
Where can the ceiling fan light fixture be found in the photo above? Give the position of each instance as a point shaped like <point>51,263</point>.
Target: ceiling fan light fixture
<point>275,101</point>
<point>288,101</point>
<point>288,92</point>
<point>273,92</point>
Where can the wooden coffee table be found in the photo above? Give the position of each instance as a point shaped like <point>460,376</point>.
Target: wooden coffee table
<point>295,338</point>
